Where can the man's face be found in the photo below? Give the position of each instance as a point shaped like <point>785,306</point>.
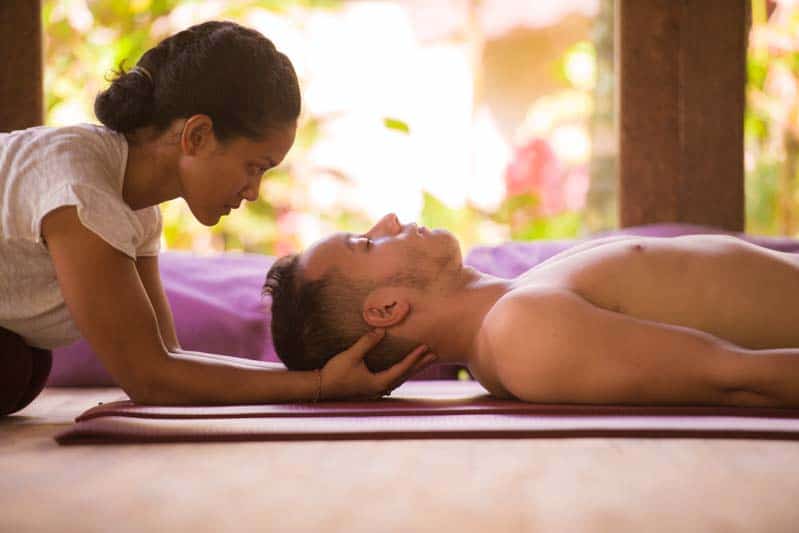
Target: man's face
<point>389,249</point>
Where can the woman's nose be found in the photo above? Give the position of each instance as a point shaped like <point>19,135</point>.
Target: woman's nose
<point>250,192</point>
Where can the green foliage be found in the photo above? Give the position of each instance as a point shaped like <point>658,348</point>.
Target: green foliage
<point>564,225</point>
<point>81,56</point>
<point>771,121</point>
<point>761,192</point>
<point>463,221</point>
<point>396,124</point>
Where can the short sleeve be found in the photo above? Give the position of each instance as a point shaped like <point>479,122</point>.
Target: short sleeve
<point>152,223</point>
<point>102,213</point>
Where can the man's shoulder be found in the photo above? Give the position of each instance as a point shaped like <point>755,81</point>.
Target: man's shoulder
<point>511,335</point>
<point>522,306</point>
<point>519,317</point>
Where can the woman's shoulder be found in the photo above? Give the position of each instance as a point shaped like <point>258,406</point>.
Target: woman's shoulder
<point>40,145</point>
<point>80,137</point>
<point>45,167</point>
<point>66,132</point>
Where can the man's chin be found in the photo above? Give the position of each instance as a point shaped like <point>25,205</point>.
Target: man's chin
<point>452,244</point>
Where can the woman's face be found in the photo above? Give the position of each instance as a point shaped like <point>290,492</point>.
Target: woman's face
<point>216,177</point>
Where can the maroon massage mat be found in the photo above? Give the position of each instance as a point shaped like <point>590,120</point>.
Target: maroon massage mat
<point>423,410</point>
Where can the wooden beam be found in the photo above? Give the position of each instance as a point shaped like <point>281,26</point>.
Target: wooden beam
<point>681,73</point>
<point>21,87</point>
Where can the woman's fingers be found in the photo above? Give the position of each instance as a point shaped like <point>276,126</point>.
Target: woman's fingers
<point>423,363</point>
<point>368,341</point>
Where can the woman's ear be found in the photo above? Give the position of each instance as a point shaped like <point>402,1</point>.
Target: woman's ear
<point>384,308</point>
<point>198,136</point>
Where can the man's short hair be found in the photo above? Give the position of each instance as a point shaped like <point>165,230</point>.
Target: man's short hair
<point>313,320</point>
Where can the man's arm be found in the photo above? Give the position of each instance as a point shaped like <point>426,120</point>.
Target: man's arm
<point>551,345</point>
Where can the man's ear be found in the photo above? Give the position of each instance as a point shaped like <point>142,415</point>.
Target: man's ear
<point>386,307</point>
<point>198,136</point>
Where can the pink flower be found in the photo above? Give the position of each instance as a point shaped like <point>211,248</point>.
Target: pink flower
<point>287,228</point>
<point>576,188</point>
<point>536,170</point>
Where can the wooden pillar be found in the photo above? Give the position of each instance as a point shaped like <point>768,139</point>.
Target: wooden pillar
<point>681,73</point>
<point>21,87</point>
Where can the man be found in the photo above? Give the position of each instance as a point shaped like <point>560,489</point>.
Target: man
<point>701,319</point>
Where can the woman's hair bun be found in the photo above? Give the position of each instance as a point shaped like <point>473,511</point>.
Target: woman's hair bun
<point>128,103</point>
<point>221,69</point>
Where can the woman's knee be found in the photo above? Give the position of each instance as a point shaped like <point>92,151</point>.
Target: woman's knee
<point>23,372</point>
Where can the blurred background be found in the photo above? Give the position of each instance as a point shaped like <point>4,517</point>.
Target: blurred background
<point>491,118</point>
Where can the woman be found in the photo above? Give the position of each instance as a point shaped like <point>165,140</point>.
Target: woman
<point>202,116</point>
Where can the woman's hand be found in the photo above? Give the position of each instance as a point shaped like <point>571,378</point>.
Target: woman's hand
<point>347,376</point>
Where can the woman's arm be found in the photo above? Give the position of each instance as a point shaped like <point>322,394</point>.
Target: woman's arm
<point>147,267</point>
<point>150,275</point>
<point>106,298</point>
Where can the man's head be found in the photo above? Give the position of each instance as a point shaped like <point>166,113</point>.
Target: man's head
<point>324,299</point>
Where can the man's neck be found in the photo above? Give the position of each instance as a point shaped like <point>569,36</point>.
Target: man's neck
<point>451,322</point>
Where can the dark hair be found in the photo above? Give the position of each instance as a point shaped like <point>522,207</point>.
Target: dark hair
<point>314,320</point>
<point>233,74</point>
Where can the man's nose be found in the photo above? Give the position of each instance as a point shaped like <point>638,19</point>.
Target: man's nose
<point>389,224</point>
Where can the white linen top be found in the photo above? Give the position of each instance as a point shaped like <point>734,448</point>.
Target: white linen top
<point>44,168</point>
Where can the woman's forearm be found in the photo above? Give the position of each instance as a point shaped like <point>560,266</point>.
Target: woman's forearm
<point>235,361</point>
<point>195,378</point>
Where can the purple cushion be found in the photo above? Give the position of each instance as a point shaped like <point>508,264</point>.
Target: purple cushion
<point>217,305</point>
<point>513,258</point>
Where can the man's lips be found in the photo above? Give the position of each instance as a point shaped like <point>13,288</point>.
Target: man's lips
<point>418,230</point>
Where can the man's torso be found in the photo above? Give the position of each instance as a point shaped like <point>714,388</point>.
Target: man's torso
<point>722,285</point>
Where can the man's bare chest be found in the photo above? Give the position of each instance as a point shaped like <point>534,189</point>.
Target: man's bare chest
<point>717,284</point>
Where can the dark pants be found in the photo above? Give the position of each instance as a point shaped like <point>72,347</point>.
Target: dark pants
<point>23,372</point>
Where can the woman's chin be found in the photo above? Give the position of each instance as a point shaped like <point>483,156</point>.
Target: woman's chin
<point>207,219</point>
<point>211,220</point>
